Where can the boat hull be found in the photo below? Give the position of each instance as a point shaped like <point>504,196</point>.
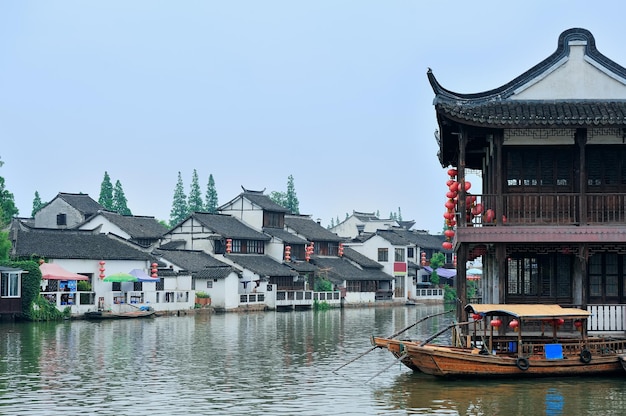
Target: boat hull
<point>97,316</point>
<point>454,362</point>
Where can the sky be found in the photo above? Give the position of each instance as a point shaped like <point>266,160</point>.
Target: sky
<point>332,92</point>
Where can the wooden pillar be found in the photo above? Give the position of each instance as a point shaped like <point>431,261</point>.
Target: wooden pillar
<point>460,282</point>
<point>501,273</point>
<point>580,138</point>
<point>498,189</point>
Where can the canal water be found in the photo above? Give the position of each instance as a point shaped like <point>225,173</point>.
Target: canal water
<point>262,363</point>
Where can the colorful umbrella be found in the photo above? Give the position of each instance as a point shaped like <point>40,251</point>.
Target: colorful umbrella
<point>120,277</point>
<point>51,271</point>
<point>143,276</point>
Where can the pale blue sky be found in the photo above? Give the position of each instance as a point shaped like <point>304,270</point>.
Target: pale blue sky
<point>332,92</point>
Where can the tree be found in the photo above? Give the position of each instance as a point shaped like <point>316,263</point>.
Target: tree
<point>8,209</point>
<point>399,214</point>
<point>179,204</point>
<point>37,204</point>
<point>211,196</point>
<point>436,261</point>
<point>279,197</point>
<point>106,193</point>
<point>119,200</point>
<point>291,200</point>
<point>195,195</point>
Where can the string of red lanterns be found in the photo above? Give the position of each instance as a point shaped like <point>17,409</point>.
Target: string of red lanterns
<point>102,269</point>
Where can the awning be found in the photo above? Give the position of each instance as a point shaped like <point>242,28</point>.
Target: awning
<point>442,272</point>
<point>143,276</point>
<point>51,271</point>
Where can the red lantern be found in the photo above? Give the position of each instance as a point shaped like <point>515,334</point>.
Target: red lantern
<point>454,187</point>
<point>340,249</point>
<point>449,204</point>
<point>452,172</point>
<point>449,233</point>
<point>559,321</point>
<point>468,185</point>
<point>229,245</point>
<point>477,316</point>
<point>154,270</point>
<point>490,215</point>
<point>447,245</point>
<point>578,324</point>
<point>102,269</point>
<point>496,323</point>
<point>514,324</point>
<point>451,194</point>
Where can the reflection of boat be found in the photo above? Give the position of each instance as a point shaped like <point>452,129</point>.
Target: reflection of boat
<point>99,315</point>
<point>525,350</point>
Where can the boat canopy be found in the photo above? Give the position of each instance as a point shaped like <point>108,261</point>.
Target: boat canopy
<point>528,311</point>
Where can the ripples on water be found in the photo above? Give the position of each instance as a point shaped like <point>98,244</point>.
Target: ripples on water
<point>268,363</point>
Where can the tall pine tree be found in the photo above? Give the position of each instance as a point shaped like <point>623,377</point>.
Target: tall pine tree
<point>293,205</point>
<point>179,204</point>
<point>37,204</point>
<point>8,209</point>
<point>195,195</point>
<point>211,196</point>
<point>106,193</point>
<point>120,204</point>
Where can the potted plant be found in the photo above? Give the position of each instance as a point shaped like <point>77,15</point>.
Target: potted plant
<point>203,298</point>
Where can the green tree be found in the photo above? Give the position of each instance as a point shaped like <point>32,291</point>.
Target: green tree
<point>436,261</point>
<point>195,195</point>
<point>179,203</point>
<point>211,196</point>
<point>5,245</point>
<point>8,209</point>
<point>399,214</point>
<point>106,193</point>
<point>37,204</point>
<point>119,200</point>
<point>279,197</point>
<point>291,200</point>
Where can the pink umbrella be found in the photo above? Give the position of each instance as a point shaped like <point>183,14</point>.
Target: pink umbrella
<point>51,271</point>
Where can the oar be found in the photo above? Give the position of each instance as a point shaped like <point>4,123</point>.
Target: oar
<point>392,336</point>
<point>386,368</point>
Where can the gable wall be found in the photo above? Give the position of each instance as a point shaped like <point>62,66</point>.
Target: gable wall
<point>47,216</point>
<point>578,78</point>
<point>107,227</point>
<point>195,235</point>
<point>245,211</point>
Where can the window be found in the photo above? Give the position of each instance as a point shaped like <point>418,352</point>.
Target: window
<point>541,278</point>
<point>209,284</point>
<point>383,254</point>
<point>10,283</point>
<point>273,219</point>
<point>547,167</point>
<point>605,166</point>
<point>399,254</point>
<point>61,219</point>
<point>410,252</point>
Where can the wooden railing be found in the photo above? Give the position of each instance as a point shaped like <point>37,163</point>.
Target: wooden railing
<point>545,209</point>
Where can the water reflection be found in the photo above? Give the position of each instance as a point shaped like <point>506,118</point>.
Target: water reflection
<point>257,363</point>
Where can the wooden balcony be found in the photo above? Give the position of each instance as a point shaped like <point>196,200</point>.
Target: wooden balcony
<point>544,217</point>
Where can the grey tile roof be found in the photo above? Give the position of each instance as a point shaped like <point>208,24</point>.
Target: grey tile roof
<point>229,227</point>
<point>285,236</point>
<point>74,244</point>
<point>138,227</point>
<point>360,259</point>
<point>422,239</point>
<point>197,262</point>
<point>338,269</point>
<point>261,264</point>
<point>311,230</point>
<point>82,202</point>
<point>302,266</point>
<point>259,199</point>
<point>393,237</point>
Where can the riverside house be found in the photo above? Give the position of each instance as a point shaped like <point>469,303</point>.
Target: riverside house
<point>549,145</point>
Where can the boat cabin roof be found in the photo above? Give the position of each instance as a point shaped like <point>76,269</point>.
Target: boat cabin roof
<point>528,311</point>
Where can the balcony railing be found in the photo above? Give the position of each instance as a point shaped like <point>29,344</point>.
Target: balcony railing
<point>545,209</point>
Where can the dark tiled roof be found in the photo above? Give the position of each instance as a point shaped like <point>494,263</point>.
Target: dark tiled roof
<point>136,226</point>
<point>528,114</point>
<point>285,236</point>
<point>261,264</point>
<point>360,259</point>
<point>393,237</point>
<point>74,244</point>
<point>338,269</point>
<point>311,230</point>
<point>263,201</point>
<point>302,266</point>
<point>82,202</point>
<point>365,216</point>
<point>198,262</point>
<point>422,239</point>
<point>229,227</point>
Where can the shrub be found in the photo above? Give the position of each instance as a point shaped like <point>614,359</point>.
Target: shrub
<point>202,295</point>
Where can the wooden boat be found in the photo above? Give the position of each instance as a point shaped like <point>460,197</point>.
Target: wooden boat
<point>101,315</point>
<point>520,346</point>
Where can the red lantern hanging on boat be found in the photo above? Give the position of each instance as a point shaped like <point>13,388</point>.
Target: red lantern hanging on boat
<point>559,322</point>
<point>578,324</point>
<point>495,323</point>
<point>514,325</point>
<point>477,316</point>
